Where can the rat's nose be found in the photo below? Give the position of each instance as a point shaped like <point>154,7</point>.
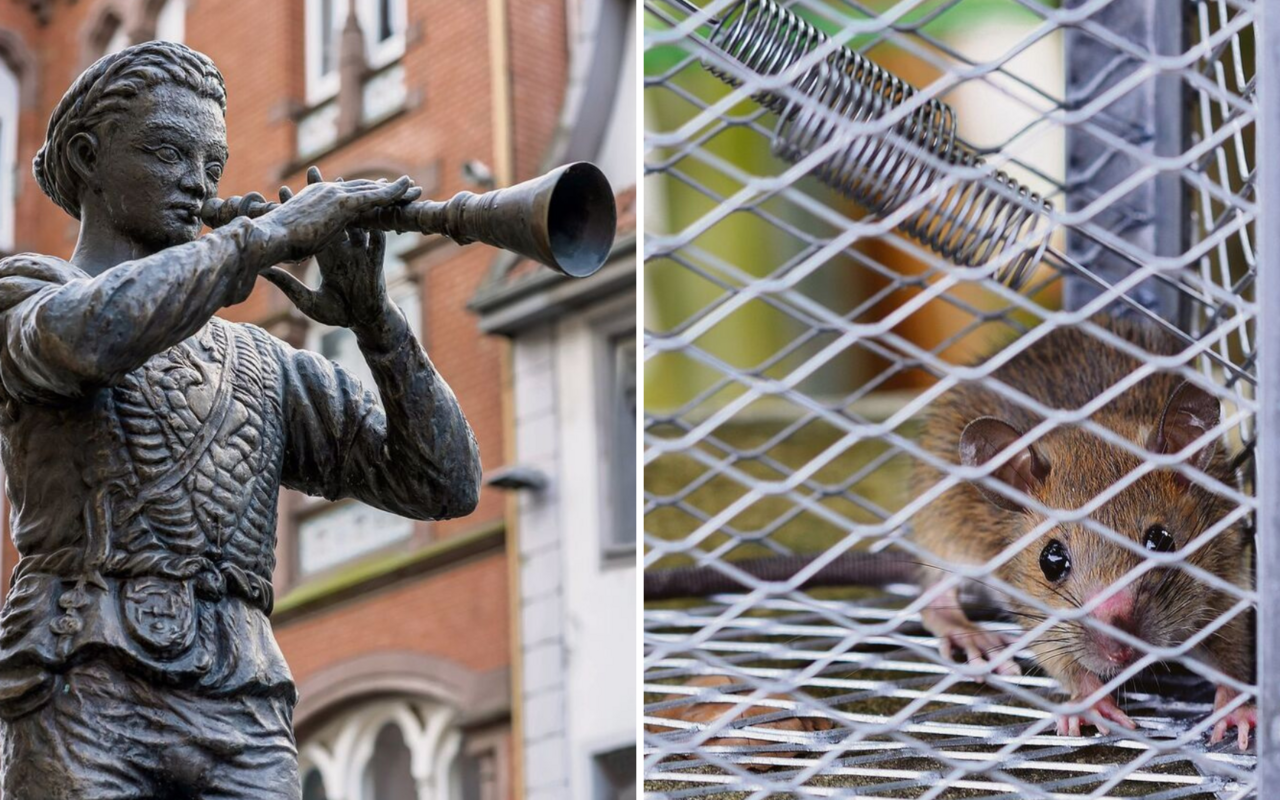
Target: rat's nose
<point>1117,610</point>
<point>1117,653</point>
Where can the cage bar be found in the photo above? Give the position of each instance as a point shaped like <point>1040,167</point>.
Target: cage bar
<point>1151,117</point>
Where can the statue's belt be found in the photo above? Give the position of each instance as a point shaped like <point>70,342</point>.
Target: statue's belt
<point>213,580</point>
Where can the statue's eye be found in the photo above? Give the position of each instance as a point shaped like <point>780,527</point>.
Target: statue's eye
<point>1054,561</point>
<point>215,172</point>
<point>168,154</point>
<point>1158,539</point>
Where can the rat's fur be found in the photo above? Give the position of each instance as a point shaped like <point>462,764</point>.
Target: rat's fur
<point>1068,369</point>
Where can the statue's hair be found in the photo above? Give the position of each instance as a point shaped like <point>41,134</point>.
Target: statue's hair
<point>105,91</point>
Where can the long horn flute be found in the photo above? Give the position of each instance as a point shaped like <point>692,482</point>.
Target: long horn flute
<point>565,219</point>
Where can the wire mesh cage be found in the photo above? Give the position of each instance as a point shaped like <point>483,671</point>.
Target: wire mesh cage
<point>950,390</point>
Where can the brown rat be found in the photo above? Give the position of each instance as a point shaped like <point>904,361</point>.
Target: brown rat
<point>1071,565</point>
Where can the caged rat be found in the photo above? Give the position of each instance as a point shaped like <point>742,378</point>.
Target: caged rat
<point>1069,565</point>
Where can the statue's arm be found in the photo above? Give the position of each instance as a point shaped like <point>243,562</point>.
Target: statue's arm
<point>63,333</point>
<point>412,454</point>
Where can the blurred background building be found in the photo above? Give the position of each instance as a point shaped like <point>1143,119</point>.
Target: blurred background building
<point>484,658</point>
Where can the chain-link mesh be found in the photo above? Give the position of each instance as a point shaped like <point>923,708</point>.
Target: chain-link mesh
<point>949,387</point>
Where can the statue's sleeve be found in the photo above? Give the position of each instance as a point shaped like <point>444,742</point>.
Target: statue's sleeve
<point>64,333</point>
<point>412,454</point>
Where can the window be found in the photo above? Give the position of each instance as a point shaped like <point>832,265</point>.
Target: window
<point>616,775</point>
<point>620,416</point>
<point>339,344</point>
<point>332,534</point>
<point>113,36</point>
<point>171,21</point>
<point>8,154</point>
<point>383,23</point>
<point>324,30</point>
<point>313,786</point>
<point>388,775</point>
<point>617,157</point>
<point>391,749</point>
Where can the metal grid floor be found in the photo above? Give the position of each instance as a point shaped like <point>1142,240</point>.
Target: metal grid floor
<point>901,726</point>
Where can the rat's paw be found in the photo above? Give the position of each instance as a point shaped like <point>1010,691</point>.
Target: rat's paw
<point>1242,718</point>
<point>1105,708</point>
<point>978,646</point>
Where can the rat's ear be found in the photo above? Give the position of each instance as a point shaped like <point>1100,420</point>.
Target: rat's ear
<point>1190,413</point>
<point>82,152</point>
<point>987,437</point>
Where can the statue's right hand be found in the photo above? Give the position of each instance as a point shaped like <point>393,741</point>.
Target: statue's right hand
<point>305,223</point>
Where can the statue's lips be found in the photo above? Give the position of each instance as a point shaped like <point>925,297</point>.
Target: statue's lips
<point>189,213</point>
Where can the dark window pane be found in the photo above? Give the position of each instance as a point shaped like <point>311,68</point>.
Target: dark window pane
<point>616,775</point>
<point>389,775</point>
<point>623,456</point>
<point>313,786</point>
<point>385,27</point>
<point>469,780</point>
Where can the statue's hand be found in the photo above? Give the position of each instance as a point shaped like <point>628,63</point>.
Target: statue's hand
<point>352,291</point>
<point>304,225</point>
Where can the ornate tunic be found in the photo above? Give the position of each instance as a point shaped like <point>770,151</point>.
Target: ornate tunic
<point>143,489</point>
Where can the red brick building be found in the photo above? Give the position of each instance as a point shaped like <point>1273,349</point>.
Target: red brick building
<point>399,633</point>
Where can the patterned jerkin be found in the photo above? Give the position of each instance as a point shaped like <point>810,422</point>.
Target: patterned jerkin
<point>146,530</point>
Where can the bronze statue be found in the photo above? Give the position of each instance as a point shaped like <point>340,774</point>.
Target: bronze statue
<point>145,441</point>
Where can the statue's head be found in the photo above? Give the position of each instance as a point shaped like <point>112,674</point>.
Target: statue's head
<point>139,141</point>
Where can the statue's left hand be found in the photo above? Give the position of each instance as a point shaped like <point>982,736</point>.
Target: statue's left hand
<point>352,291</point>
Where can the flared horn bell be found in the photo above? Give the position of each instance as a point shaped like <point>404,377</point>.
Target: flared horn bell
<point>565,219</point>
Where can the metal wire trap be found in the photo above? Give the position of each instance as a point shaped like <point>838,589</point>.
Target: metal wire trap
<point>864,688</point>
<point>836,400</point>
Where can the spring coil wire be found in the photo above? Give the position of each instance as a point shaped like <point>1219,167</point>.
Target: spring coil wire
<point>971,222</point>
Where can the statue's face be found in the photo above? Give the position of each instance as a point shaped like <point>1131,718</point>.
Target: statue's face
<point>157,166</point>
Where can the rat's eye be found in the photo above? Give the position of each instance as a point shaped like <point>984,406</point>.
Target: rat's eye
<point>1158,539</point>
<point>1054,561</point>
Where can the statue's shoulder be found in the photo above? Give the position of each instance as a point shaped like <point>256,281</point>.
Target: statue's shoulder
<point>34,266</point>
<point>25,274</point>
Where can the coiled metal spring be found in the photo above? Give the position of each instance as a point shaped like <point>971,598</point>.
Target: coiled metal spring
<point>971,221</point>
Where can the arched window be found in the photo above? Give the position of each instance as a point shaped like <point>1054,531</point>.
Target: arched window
<point>400,749</point>
<point>8,154</point>
<point>389,775</point>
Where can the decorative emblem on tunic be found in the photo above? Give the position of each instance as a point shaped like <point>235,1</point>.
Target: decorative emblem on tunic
<point>160,614</point>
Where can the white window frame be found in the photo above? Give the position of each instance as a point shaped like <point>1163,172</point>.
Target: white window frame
<point>172,14</point>
<point>608,335</point>
<point>10,109</point>
<point>380,54</point>
<point>343,749</point>
<point>322,86</point>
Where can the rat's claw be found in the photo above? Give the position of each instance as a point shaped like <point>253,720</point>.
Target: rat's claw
<point>979,647</point>
<point>1105,708</point>
<point>1242,718</point>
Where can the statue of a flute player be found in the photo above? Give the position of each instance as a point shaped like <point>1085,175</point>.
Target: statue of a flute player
<point>145,440</point>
